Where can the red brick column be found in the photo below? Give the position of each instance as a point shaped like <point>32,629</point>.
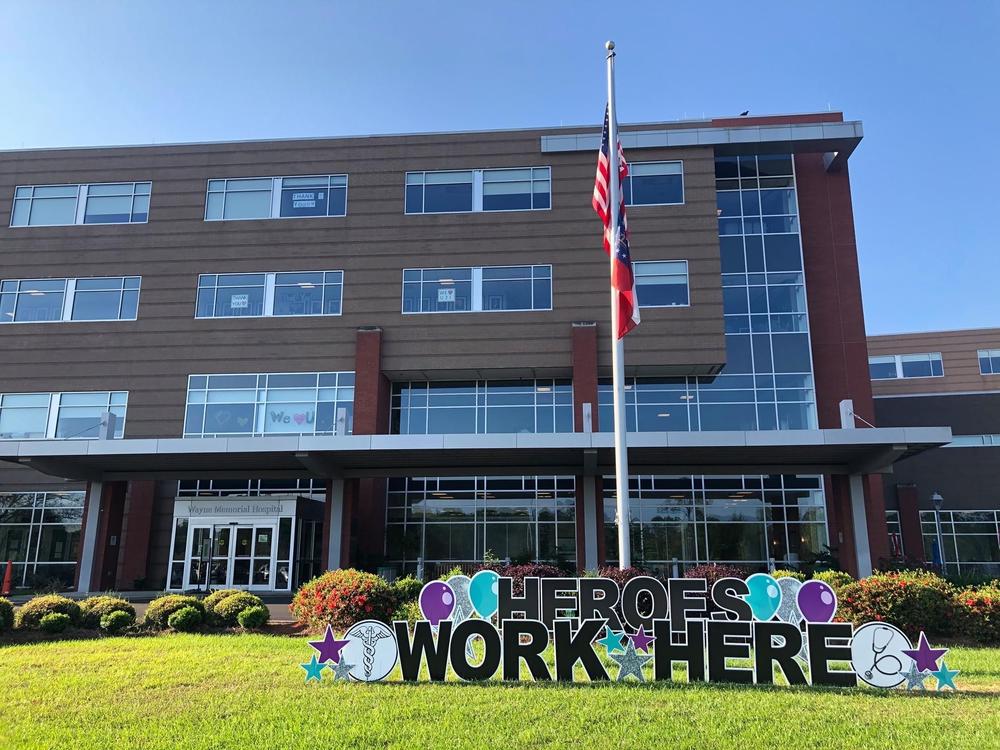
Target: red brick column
<point>372,392</point>
<point>909,521</point>
<point>837,321</point>
<point>108,537</point>
<point>134,557</point>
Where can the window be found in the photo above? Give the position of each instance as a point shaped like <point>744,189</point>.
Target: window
<point>661,283</point>
<point>899,366</point>
<point>103,203</point>
<point>448,520</point>
<point>276,197</point>
<point>521,189</point>
<point>749,520</point>
<point>989,361</point>
<point>40,416</point>
<point>40,534</point>
<point>306,403</point>
<point>255,295</point>
<point>969,540</point>
<point>478,407</point>
<point>479,289</point>
<point>654,183</point>
<point>52,300</point>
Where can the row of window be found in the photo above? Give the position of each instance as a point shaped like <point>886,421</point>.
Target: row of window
<point>927,365</point>
<point>457,191</point>
<point>307,293</point>
<point>40,535</point>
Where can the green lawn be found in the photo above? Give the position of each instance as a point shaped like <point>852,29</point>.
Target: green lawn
<point>190,691</point>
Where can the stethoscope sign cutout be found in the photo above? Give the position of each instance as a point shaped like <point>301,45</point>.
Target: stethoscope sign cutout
<point>877,654</point>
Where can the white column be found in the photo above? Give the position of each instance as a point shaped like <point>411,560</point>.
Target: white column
<point>89,543</point>
<point>589,522</point>
<point>334,534</point>
<point>859,520</point>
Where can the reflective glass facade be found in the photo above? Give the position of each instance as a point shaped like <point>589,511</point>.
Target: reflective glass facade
<point>451,520</point>
<point>745,520</point>
<point>970,540</point>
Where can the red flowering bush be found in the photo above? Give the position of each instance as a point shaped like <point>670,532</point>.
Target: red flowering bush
<point>977,614</point>
<point>519,572</point>
<point>343,597</point>
<point>912,600</point>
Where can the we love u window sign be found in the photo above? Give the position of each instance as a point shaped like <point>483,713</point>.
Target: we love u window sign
<point>591,629</point>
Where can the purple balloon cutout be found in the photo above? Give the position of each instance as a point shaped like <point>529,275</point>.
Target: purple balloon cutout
<point>817,601</point>
<point>437,601</point>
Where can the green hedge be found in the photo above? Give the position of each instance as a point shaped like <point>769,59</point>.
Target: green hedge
<point>93,610</point>
<point>912,600</point>
<point>29,616</point>
<point>228,610</point>
<point>186,619</point>
<point>6,614</point>
<point>159,610</point>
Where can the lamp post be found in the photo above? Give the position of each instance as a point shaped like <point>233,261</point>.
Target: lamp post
<point>938,499</point>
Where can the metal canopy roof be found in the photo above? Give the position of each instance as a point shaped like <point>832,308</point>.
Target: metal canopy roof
<point>845,451</point>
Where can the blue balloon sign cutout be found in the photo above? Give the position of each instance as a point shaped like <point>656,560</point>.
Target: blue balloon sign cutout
<point>764,597</point>
<point>483,593</point>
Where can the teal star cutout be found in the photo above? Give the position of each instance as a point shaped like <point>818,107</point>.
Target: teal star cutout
<point>945,677</point>
<point>341,670</point>
<point>314,670</point>
<point>612,641</point>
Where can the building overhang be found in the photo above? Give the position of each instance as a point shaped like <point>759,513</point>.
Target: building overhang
<point>835,140</point>
<point>845,451</point>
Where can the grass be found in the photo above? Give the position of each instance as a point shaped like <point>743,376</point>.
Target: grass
<point>211,691</point>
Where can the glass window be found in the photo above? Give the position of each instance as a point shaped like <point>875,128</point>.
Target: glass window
<point>654,183</point>
<point>43,544</point>
<point>104,203</point>
<point>989,361</point>
<point>254,197</point>
<point>894,366</point>
<point>474,190</point>
<point>30,416</point>
<point>269,294</point>
<point>49,300</point>
<point>121,203</point>
<point>486,289</point>
<point>661,283</point>
<point>279,403</point>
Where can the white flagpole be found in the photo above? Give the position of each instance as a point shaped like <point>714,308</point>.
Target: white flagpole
<point>618,344</point>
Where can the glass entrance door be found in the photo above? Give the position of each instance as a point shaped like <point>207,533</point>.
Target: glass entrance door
<point>232,556</point>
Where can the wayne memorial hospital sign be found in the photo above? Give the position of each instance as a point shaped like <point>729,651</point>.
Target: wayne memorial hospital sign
<point>734,631</point>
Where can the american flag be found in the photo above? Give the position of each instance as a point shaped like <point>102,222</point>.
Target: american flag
<point>622,278</point>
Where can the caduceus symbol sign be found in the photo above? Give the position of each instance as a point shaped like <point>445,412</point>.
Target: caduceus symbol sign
<point>369,637</point>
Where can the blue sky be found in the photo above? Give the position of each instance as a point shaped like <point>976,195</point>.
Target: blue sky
<point>921,75</point>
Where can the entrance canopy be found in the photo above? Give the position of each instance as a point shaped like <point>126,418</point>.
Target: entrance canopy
<point>843,451</point>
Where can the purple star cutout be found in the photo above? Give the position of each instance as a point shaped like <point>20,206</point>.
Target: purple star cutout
<point>329,648</point>
<point>925,657</point>
<point>641,641</point>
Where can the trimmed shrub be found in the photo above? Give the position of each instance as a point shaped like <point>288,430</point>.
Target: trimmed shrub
<point>117,620</point>
<point>185,619</point>
<point>159,610</point>
<point>93,610</point>
<point>54,622</point>
<point>409,611</point>
<point>228,610</point>
<point>834,578</point>
<point>977,614</point>
<point>342,597</point>
<point>30,615</point>
<point>407,589</point>
<point>621,577</point>
<point>213,600</point>
<point>912,600</point>
<point>254,617</point>
<point>785,573</point>
<point>712,572</point>
<point>6,614</point>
